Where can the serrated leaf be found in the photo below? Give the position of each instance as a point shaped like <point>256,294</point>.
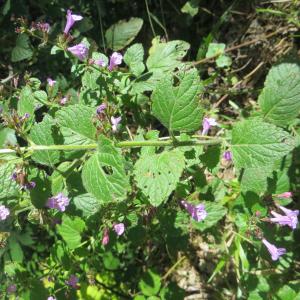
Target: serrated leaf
<point>7,137</point>
<point>26,101</point>
<point>103,175</point>
<point>164,57</point>
<point>121,34</point>
<point>215,49</point>
<point>256,179</point>
<point>87,204</point>
<point>177,108</point>
<point>279,99</point>
<point>71,230</point>
<point>157,175</point>
<point>43,133</point>
<point>8,188</point>
<point>78,119</point>
<point>23,49</point>
<point>134,57</point>
<point>215,212</point>
<point>256,143</point>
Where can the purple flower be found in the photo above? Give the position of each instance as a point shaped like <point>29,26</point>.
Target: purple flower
<point>63,100</point>
<point>14,176</point>
<point>115,122</point>
<point>119,228</point>
<point>115,59</point>
<point>227,155</point>
<point>290,218</point>
<point>273,250</point>
<point>207,123</point>
<point>4,212</point>
<point>197,212</point>
<point>26,116</point>
<point>29,185</point>
<point>72,281</point>
<point>105,239</point>
<point>51,298</point>
<point>59,202</point>
<point>100,62</point>
<point>81,51</point>
<point>71,19</point>
<point>11,289</point>
<point>285,195</point>
<point>51,82</point>
<point>43,26</point>
<point>101,108</point>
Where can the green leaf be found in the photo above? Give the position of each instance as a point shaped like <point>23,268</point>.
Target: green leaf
<point>134,57</point>
<point>8,188</point>
<point>191,7</point>
<point>110,262</point>
<point>279,99</point>
<point>286,293</point>
<point>177,107</point>
<point>23,48</point>
<point>215,212</point>
<point>78,119</point>
<point>43,133</point>
<point>16,251</point>
<point>157,175</point>
<point>103,175</point>
<point>71,230</point>
<point>7,137</point>
<point>215,49</point>
<point>165,57</point>
<point>256,143</point>
<point>256,179</point>
<point>223,61</point>
<point>87,204</point>
<point>121,34</point>
<point>150,283</point>
<point>26,101</point>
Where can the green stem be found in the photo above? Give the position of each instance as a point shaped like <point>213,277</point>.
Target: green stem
<point>124,144</point>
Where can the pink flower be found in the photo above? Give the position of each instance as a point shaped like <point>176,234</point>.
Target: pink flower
<point>101,108</point>
<point>207,124</point>
<point>119,228</point>
<point>4,212</point>
<point>71,19</point>
<point>72,281</point>
<point>227,155</point>
<point>115,59</point>
<point>197,212</point>
<point>80,51</point>
<point>51,298</point>
<point>105,239</point>
<point>59,202</point>
<point>285,195</point>
<point>11,289</point>
<point>290,218</point>
<point>63,101</point>
<point>100,62</point>
<point>51,82</point>
<point>273,250</point>
<point>115,122</point>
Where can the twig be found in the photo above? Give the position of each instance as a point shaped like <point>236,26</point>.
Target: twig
<point>173,267</point>
<point>205,60</point>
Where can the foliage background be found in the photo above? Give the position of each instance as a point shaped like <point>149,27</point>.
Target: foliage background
<point>173,257</point>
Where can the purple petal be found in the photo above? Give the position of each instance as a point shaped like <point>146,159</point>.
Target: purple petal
<point>80,51</point>
<point>119,228</point>
<point>71,19</point>
<point>115,59</point>
<point>4,212</point>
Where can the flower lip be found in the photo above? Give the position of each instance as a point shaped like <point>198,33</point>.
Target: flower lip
<point>71,19</point>
<point>119,228</point>
<point>115,59</point>
<point>207,124</point>
<point>273,250</point>
<point>197,212</point>
<point>4,212</point>
<point>80,50</point>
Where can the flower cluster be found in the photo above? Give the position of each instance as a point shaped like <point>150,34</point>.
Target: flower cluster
<point>72,281</point>
<point>119,229</point>
<point>59,202</point>
<point>42,26</point>
<point>290,218</point>
<point>197,212</point>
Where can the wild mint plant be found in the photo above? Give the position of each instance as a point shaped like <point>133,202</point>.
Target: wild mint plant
<point>131,153</point>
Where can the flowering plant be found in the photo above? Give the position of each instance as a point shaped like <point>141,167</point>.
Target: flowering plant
<point>128,160</point>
